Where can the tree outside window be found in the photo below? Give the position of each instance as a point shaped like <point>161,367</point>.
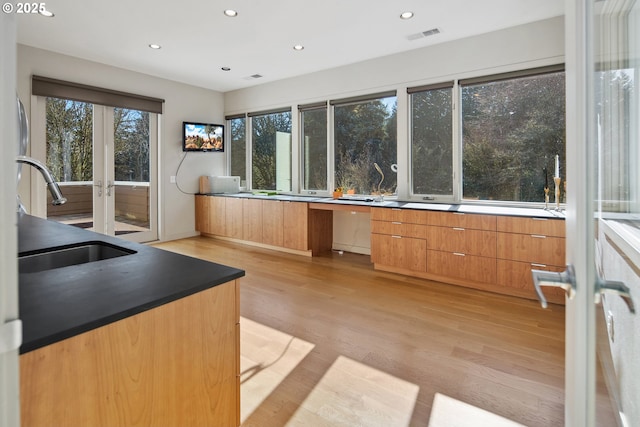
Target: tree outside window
<point>511,132</point>
<point>365,134</point>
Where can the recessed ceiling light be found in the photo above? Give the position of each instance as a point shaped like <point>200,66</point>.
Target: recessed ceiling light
<point>298,47</point>
<point>225,69</point>
<point>231,13</point>
<point>406,15</point>
<point>155,46</point>
<point>46,13</point>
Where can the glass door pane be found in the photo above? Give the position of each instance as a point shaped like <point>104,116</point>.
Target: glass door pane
<point>69,140</point>
<point>131,175</point>
<point>617,136</point>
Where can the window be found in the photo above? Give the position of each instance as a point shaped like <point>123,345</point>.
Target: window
<point>365,136</point>
<point>313,119</point>
<point>513,126</point>
<point>238,136</point>
<point>432,140</point>
<point>271,150</point>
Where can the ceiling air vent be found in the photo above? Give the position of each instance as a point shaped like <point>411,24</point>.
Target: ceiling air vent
<point>253,77</point>
<point>431,32</point>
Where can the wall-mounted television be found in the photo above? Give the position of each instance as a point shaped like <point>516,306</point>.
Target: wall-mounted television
<point>202,137</point>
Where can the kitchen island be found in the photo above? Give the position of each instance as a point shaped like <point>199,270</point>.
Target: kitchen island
<point>146,338</point>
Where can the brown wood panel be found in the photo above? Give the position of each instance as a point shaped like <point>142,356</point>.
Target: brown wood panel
<point>544,226</point>
<point>296,225</point>
<point>531,248</point>
<point>176,364</point>
<point>462,266</point>
<point>463,240</point>
<point>234,216</point>
<point>339,207</point>
<point>252,220</point>
<point>396,251</point>
<point>399,229</point>
<point>273,222</point>
<point>320,231</point>
<point>464,220</point>
<point>517,275</point>
<point>79,201</point>
<point>411,216</point>
<point>217,215</point>
<point>202,214</point>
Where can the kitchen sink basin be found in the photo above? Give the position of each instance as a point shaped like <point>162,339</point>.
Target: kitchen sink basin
<point>65,256</point>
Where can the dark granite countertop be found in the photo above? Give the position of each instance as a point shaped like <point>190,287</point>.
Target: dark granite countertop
<point>63,302</point>
<point>471,208</point>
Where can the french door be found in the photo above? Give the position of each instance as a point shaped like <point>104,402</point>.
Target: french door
<point>104,159</point>
<point>603,213</point>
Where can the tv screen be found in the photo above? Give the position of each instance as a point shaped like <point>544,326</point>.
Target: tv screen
<point>202,137</point>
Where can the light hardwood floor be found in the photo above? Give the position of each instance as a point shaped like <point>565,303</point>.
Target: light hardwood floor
<point>329,341</point>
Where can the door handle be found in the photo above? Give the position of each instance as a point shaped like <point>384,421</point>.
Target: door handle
<point>565,280</point>
<point>110,185</point>
<point>99,185</point>
<point>613,286</point>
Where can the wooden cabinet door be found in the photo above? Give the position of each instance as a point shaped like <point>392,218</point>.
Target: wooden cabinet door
<point>202,214</point>
<point>462,266</point>
<point>522,225</point>
<point>400,252</point>
<point>535,248</point>
<point>217,215</point>
<point>234,217</point>
<point>296,225</point>
<point>459,219</point>
<point>517,275</point>
<point>273,221</point>
<point>252,220</point>
<point>462,240</point>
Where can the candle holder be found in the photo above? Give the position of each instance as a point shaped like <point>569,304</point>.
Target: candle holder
<point>546,198</point>
<point>556,180</point>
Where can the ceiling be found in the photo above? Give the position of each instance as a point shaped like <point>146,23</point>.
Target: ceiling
<point>198,40</point>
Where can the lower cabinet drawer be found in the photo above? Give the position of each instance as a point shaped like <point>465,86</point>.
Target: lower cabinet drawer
<point>531,248</point>
<point>400,252</point>
<point>462,266</point>
<point>397,228</point>
<point>517,275</point>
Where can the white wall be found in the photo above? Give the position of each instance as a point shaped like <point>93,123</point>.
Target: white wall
<point>527,46</point>
<point>182,102</point>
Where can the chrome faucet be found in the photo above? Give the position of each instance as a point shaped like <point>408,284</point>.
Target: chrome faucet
<point>52,185</point>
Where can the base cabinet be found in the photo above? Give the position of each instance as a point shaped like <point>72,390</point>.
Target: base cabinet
<point>489,252</point>
<point>174,365</point>
<point>274,224</point>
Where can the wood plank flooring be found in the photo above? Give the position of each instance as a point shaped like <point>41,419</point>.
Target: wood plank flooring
<point>329,341</point>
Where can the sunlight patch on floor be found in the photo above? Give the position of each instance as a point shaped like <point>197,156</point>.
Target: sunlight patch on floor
<point>267,356</point>
<point>353,394</point>
<point>449,412</point>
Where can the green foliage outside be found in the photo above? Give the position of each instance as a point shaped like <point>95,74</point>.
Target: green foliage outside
<point>263,138</point>
<point>512,131</point>
<point>69,133</point>
<point>365,133</point>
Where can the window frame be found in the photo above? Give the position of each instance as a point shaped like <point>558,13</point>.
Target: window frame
<point>323,105</point>
<point>455,150</point>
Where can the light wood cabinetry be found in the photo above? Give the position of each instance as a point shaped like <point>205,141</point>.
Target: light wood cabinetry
<point>462,247</point>
<point>234,215</point>
<point>270,223</point>
<point>296,225</point>
<point>399,239</point>
<point>489,252</point>
<point>252,220</point>
<point>177,364</point>
<point>524,244</point>
<point>202,214</point>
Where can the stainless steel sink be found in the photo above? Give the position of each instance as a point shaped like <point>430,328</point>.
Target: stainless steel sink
<point>65,256</point>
